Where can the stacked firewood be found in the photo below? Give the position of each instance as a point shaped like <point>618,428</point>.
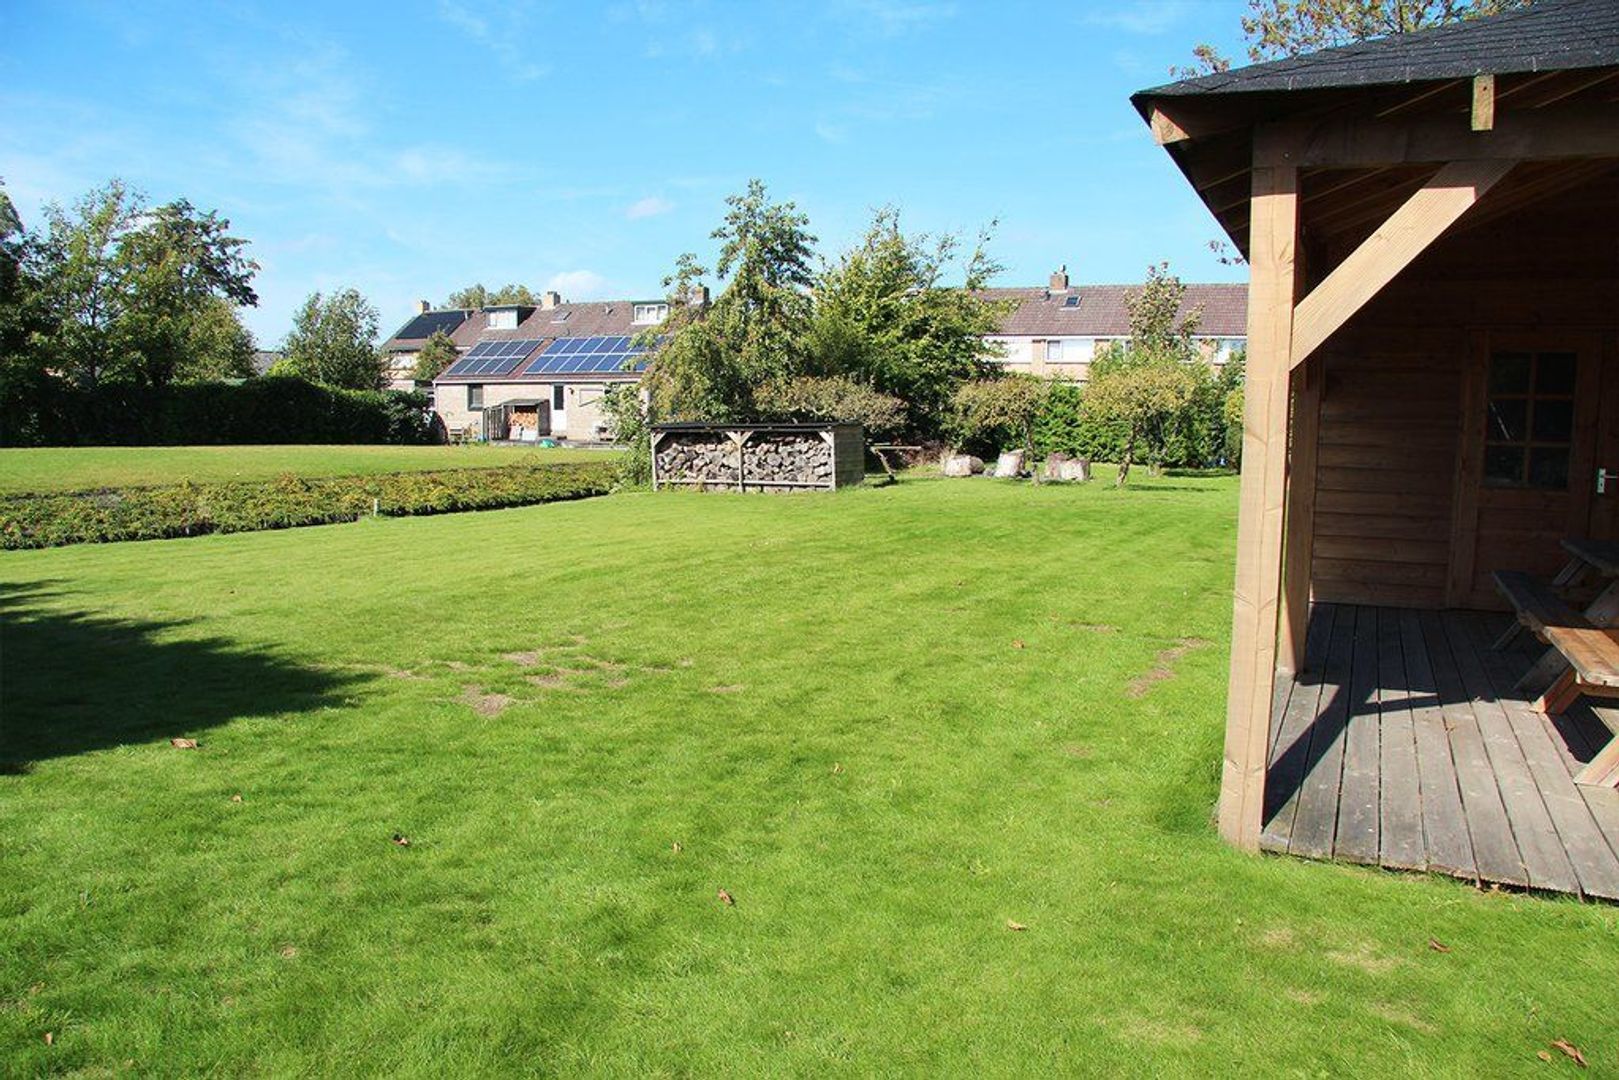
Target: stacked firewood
<point>791,460</point>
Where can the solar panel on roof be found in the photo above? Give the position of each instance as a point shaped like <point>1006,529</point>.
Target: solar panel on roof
<point>494,357</point>
<point>604,354</point>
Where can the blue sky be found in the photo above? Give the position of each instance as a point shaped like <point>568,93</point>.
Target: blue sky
<point>407,149</point>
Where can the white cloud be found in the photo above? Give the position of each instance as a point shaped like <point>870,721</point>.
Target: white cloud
<point>504,39</point>
<point>897,16</point>
<point>651,206</point>
<point>1141,17</point>
<point>832,133</point>
<point>578,284</point>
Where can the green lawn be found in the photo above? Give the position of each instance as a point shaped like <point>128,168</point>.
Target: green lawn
<point>887,722</point>
<point>78,468</point>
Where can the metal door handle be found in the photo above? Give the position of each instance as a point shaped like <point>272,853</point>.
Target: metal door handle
<point>1602,481</point>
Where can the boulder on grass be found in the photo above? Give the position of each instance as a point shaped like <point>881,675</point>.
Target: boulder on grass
<point>1061,467</point>
<point>962,465</point>
<point>1009,464</point>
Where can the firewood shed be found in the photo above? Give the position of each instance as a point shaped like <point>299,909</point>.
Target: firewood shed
<point>758,457</point>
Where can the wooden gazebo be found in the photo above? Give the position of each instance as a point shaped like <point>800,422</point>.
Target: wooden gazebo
<point>1432,226</point>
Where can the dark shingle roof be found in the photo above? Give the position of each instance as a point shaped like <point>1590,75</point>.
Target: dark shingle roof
<point>424,326</point>
<point>1549,35</point>
<point>1103,310</point>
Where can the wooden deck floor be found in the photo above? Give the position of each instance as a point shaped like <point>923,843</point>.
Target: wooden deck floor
<point>1404,745</point>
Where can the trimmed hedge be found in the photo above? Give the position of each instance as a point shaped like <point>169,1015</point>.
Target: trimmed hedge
<point>153,513</point>
<point>40,410</point>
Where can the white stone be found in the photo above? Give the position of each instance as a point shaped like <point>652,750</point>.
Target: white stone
<point>1009,464</point>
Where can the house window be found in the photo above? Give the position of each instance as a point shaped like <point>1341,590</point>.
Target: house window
<point>1054,351</point>
<point>1529,420</point>
<point>558,400</point>
<point>474,396</point>
<point>647,314</point>
<point>503,320</point>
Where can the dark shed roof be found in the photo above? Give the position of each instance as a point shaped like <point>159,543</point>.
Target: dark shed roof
<point>1549,35</point>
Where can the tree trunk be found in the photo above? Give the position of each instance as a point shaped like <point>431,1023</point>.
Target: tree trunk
<point>1124,466</point>
<point>1028,452</point>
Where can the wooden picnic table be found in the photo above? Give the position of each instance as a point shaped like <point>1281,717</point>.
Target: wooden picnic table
<point>882,450</point>
<point>1583,646</point>
<point>1599,555</point>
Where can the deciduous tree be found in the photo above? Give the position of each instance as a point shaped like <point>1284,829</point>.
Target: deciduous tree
<point>1281,28</point>
<point>1011,403</point>
<point>437,353</point>
<point>1154,376</point>
<point>476,296</point>
<point>883,316</point>
<point>123,284</point>
<point>333,341</point>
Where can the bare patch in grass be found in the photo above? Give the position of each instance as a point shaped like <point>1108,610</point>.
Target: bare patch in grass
<point>1304,997</point>
<point>1362,956</point>
<point>1278,937</point>
<point>485,704</point>
<point>402,673</point>
<point>1396,1015</point>
<point>1161,1032</point>
<point>554,681</point>
<point>523,659</point>
<point>733,688</point>
<point>1163,666</point>
<point>1078,751</point>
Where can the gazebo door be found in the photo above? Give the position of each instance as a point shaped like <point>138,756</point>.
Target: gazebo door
<point>1527,475</point>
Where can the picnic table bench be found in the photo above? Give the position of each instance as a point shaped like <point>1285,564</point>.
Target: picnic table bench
<point>1583,653</point>
<point>882,450</point>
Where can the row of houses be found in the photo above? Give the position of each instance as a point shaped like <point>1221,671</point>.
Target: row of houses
<point>527,372</point>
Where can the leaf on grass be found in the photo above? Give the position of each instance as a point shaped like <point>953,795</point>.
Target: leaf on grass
<point>837,768</point>
<point>401,840</point>
<point>726,899</point>
<point>1017,643</point>
<point>1010,925</point>
<point>1544,1056</point>
<point>1571,1050</point>
<point>50,1039</point>
<point>678,848</point>
<point>236,798</point>
<point>1438,946</point>
<point>183,744</point>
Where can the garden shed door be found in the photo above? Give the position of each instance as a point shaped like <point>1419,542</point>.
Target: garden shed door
<point>1527,475</point>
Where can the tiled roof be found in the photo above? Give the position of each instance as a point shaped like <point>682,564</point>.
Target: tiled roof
<point>425,325</point>
<point>1103,311</point>
<point>598,318</point>
<point>1548,35</point>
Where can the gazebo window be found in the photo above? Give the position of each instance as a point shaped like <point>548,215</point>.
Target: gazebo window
<point>1530,421</point>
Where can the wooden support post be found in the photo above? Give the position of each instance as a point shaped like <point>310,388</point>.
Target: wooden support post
<point>1273,239</point>
<point>1483,102</point>
<point>1300,539</point>
<point>1448,195</point>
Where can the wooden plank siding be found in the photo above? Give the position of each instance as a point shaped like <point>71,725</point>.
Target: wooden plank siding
<point>1397,516</point>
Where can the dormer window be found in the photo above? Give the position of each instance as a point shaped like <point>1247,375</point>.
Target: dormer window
<point>503,319</point>
<point>650,314</point>
<point>1071,301</point>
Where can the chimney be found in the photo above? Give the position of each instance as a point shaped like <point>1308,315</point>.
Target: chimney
<point>1059,279</point>
<point>423,307</point>
<point>698,297</point>
<point>550,299</point>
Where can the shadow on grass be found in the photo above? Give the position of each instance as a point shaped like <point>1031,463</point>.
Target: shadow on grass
<point>73,681</point>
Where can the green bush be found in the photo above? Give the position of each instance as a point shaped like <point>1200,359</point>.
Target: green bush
<point>39,410</point>
<point>153,513</point>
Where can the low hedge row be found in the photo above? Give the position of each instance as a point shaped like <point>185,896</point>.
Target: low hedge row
<point>154,513</point>
<point>40,410</point>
